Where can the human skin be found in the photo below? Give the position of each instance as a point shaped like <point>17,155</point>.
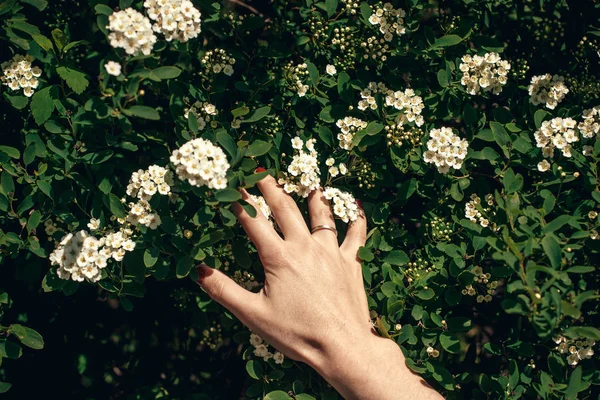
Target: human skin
<point>313,307</point>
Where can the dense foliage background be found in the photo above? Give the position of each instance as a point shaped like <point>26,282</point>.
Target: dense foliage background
<point>501,305</point>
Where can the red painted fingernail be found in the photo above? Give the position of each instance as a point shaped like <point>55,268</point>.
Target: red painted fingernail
<point>359,202</point>
<point>259,169</point>
<point>201,273</point>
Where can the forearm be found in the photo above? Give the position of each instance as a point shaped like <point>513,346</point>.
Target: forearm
<point>371,367</point>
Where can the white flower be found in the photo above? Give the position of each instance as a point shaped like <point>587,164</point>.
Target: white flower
<point>303,175</point>
<point>18,73</point>
<point>93,224</point>
<point>262,205</point>
<point>143,184</point>
<point>297,143</point>
<point>488,72</point>
<point>547,89</point>
<point>348,127</point>
<point>176,19</point>
<point>330,69</point>
<point>344,204</point>
<point>278,358</point>
<point>217,61</point>
<point>296,76</point>
<point>131,31</point>
<point>203,112</point>
<point>590,126</point>
<point>558,133</point>
<point>389,20</point>
<point>445,149</point>
<point>201,163</point>
<point>113,68</point>
<point>543,166</point>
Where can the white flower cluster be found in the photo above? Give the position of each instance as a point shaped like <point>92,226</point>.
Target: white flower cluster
<point>348,127</point>
<point>406,101</point>
<point>547,89</point>
<point>445,149</point>
<point>81,256</point>
<point>18,73</point>
<point>262,205</point>
<point>557,133</point>
<point>203,111</point>
<point>218,61</point>
<point>488,72</point>
<point>176,19</point>
<point>335,171</point>
<point>132,31</point>
<point>351,6</point>
<point>578,350</point>
<point>201,163</point>
<point>140,213</point>
<point>143,184</point>
<point>303,175</point>
<point>473,209</point>
<point>390,21</point>
<point>590,126</point>
<point>261,349</point>
<point>295,74</point>
<point>344,204</point>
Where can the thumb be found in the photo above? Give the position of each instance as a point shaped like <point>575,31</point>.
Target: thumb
<point>226,292</point>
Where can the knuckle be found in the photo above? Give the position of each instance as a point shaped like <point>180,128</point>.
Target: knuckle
<point>217,289</point>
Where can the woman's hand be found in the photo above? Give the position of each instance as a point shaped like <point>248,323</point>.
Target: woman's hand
<point>313,307</point>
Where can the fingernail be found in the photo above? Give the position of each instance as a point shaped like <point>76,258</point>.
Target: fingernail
<point>201,273</point>
<point>259,169</point>
<point>359,202</point>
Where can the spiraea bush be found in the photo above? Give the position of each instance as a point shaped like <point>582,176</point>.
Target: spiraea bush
<point>468,129</point>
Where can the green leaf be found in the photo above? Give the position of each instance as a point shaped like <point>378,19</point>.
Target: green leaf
<point>166,72</point>
<point>425,294</point>
<point>331,7</point>
<point>556,224</point>
<point>277,395</point>
<point>39,4</point>
<point>258,114</point>
<point>27,336</point>
<point>18,102</point>
<point>103,9</point>
<point>4,387</point>
<point>76,80</point>
<point>116,207</point>
<point>365,254</point>
<point>500,135</point>
<point>42,105</point>
<point>150,257</point>
<point>552,250</point>
<point>34,220</point>
<point>373,128</point>
<point>396,257</point>
<point>582,332</point>
<point>60,39</point>
<point>184,266</point>
<point>446,41</point>
<point>574,386</point>
<point>7,185</point>
<point>240,111</point>
<point>512,183</point>
<point>450,342</point>
<point>442,77</point>
<point>227,142</point>
<point>43,41</point>
<point>538,118</point>
<point>254,369</point>
<point>143,112</point>
<point>11,152</point>
<point>258,148</point>
<point>228,195</point>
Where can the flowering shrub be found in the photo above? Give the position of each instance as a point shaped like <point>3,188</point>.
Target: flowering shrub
<point>469,130</point>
